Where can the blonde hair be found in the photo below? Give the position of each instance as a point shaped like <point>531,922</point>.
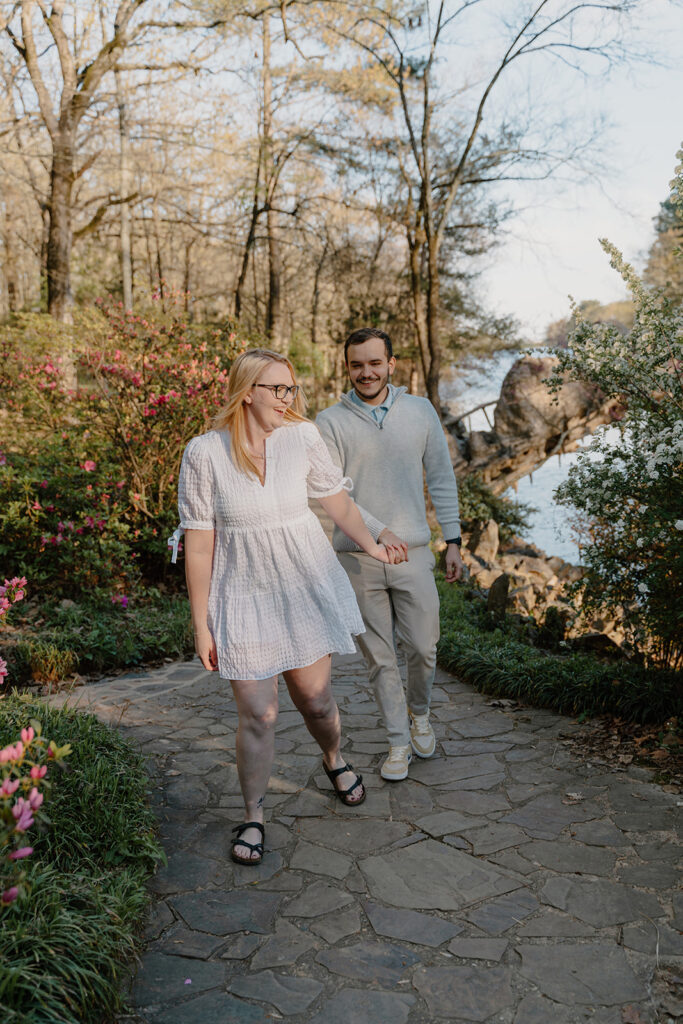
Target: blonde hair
<point>244,373</point>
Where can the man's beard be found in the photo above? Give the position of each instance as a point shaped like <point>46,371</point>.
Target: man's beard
<point>380,388</point>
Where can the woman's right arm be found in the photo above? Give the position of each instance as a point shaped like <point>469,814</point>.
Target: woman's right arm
<point>198,565</point>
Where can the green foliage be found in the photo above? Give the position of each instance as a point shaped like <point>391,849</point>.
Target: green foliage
<point>89,470</point>
<point>630,494</point>
<point>102,637</point>
<point>478,504</point>
<point>495,659</point>
<point>64,951</point>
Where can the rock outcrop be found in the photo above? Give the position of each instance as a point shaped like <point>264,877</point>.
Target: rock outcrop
<point>533,583</point>
<point>529,425</point>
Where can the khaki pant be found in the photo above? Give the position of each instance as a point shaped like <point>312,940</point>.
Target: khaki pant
<point>405,597</point>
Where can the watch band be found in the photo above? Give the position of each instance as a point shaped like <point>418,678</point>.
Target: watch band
<point>457,541</point>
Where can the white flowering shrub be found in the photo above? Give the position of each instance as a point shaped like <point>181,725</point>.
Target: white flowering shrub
<point>629,495</point>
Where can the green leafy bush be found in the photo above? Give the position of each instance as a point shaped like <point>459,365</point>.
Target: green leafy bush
<point>478,503</point>
<point>89,467</point>
<point>630,495</point>
<point>64,951</point>
<point>496,660</point>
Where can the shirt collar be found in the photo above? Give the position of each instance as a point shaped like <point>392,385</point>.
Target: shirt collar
<point>391,394</point>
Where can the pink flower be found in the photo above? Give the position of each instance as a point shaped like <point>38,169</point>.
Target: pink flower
<point>23,851</point>
<point>35,799</point>
<point>3,669</point>
<point>39,771</point>
<point>27,734</point>
<point>89,465</point>
<point>22,812</point>
<point>9,786</point>
<point>9,895</point>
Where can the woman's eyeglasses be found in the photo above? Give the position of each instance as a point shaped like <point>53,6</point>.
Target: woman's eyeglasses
<point>281,391</point>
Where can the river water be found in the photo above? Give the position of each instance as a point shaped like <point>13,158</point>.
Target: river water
<point>478,380</point>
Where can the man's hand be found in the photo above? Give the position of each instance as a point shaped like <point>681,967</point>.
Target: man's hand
<point>396,547</point>
<point>454,565</point>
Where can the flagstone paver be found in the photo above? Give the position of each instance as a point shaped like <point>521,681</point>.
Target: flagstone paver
<point>505,881</point>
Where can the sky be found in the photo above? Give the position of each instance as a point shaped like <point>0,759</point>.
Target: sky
<point>552,247</point>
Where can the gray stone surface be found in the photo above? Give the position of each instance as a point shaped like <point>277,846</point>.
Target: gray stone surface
<point>365,901</point>
<point>337,926</point>
<point>552,924</point>
<point>163,978</point>
<point>385,962</point>
<point>546,816</point>
<point>465,993</point>
<point>318,898</point>
<point>222,913</point>
<point>431,876</point>
<point>284,947</point>
<point>600,903</point>
<point>320,861</point>
<point>362,1006</point>
<point>496,916</point>
<point>570,857</point>
<point>214,1008</point>
<point>595,974</point>
<point>478,949</point>
<point>409,925</point>
<point>285,993</point>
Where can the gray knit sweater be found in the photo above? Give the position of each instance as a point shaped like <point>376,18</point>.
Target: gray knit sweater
<point>386,462</point>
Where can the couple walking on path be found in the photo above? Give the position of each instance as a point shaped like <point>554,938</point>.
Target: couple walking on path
<point>267,594</point>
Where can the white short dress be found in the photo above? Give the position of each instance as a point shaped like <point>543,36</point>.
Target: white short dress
<point>279,599</point>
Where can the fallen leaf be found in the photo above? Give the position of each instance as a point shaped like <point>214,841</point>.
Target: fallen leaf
<point>631,1015</point>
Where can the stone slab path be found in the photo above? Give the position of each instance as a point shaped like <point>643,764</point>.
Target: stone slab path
<point>506,880</point>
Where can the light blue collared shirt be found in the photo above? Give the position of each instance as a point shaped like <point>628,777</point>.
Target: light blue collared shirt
<point>378,412</point>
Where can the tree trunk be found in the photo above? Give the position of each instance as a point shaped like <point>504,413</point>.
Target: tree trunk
<point>274,314</point>
<point>274,308</point>
<point>237,305</point>
<point>124,190</point>
<point>433,333</point>
<point>59,297</point>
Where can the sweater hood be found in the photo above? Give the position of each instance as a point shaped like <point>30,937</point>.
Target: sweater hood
<point>349,403</point>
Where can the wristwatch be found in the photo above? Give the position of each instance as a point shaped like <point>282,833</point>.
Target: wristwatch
<point>457,542</point>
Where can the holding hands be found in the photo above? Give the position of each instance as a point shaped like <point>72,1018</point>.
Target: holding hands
<point>391,548</point>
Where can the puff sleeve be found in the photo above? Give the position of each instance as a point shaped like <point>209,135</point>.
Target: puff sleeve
<point>196,486</point>
<point>323,478</point>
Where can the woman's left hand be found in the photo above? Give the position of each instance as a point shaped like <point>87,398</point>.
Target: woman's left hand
<point>392,556</point>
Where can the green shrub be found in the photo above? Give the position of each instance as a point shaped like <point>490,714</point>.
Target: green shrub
<point>478,504</point>
<point>100,637</point>
<point>497,661</point>
<point>65,947</point>
<point>89,470</point>
<point>630,493</point>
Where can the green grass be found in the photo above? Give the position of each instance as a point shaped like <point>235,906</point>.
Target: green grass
<point>64,949</point>
<point>97,638</point>
<point>497,661</point>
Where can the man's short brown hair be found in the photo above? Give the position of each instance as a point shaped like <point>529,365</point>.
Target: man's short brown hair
<point>364,334</point>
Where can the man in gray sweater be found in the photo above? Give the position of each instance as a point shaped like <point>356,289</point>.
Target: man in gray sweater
<point>387,441</point>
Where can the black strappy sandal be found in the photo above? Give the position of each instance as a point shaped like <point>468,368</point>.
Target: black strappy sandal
<point>255,847</point>
<point>344,794</point>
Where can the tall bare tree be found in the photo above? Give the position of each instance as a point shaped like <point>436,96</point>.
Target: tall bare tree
<point>448,145</point>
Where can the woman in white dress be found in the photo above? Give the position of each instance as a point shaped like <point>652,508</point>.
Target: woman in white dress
<point>267,593</point>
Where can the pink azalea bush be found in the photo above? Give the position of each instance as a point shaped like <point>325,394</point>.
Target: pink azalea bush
<point>11,592</point>
<point>23,772</point>
<point>95,436</point>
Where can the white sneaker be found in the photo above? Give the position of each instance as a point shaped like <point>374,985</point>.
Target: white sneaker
<point>422,738</point>
<point>395,766</point>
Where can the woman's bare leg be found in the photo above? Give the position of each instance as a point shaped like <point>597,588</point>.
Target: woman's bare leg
<point>311,690</point>
<point>257,714</point>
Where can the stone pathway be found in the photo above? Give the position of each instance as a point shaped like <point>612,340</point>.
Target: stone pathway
<point>504,881</point>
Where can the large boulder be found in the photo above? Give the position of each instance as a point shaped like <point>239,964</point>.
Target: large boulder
<point>530,424</point>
